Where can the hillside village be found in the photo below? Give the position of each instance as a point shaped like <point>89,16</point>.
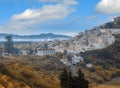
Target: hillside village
<point>59,44</point>
<point>97,38</point>
<point>51,56</point>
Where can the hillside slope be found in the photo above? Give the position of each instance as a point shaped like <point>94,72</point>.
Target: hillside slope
<point>112,24</point>
<point>115,83</point>
<point>43,72</point>
<point>15,72</point>
<point>105,63</point>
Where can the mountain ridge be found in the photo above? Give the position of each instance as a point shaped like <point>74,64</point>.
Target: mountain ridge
<point>37,36</point>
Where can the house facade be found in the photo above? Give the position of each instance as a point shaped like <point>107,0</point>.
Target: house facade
<point>43,52</point>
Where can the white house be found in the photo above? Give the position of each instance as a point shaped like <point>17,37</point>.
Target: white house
<point>24,52</point>
<point>76,59</point>
<point>43,52</point>
<point>65,62</point>
<point>89,65</point>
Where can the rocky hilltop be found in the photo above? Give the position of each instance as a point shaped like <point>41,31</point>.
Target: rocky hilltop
<point>96,38</point>
<point>112,24</point>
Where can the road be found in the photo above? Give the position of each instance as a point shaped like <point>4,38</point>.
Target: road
<point>74,70</point>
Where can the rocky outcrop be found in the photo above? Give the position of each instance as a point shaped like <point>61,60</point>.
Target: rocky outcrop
<point>113,24</point>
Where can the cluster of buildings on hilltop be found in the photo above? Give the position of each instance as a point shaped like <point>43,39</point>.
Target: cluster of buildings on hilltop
<point>89,40</point>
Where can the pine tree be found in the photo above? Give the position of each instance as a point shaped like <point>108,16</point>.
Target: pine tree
<point>69,81</point>
<point>64,78</point>
<point>81,81</point>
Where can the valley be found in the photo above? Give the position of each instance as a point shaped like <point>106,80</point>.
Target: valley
<point>96,52</point>
<point>59,44</point>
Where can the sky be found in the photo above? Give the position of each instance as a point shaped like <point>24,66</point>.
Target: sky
<point>67,17</point>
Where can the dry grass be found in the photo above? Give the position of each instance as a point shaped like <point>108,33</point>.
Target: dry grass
<point>108,86</point>
<point>115,83</point>
<point>26,72</point>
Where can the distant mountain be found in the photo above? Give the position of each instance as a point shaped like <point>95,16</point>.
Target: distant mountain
<point>40,36</point>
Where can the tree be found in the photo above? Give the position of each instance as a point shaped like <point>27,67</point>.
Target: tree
<point>81,81</point>
<point>9,45</point>
<point>64,78</point>
<point>69,81</point>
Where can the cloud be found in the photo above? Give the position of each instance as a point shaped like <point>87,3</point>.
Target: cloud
<point>70,2</point>
<point>108,6</point>
<point>48,12</point>
<point>65,2</point>
<point>35,16</point>
<point>26,21</point>
<point>90,18</point>
<point>73,34</point>
<point>52,1</point>
<point>23,22</point>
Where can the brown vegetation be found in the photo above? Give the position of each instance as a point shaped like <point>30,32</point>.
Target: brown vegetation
<point>17,72</point>
<point>105,63</point>
<point>42,72</point>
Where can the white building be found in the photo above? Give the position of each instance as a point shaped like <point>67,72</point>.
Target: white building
<point>89,65</point>
<point>73,60</point>
<point>24,52</point>
<point>43,52</point>
<point>76,59</point>
<point>65,62</point>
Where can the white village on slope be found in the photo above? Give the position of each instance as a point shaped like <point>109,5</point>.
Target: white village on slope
<point>96,38</point>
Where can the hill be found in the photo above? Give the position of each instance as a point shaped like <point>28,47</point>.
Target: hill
<point>96,38</point>
<point>43,72</point>
<point>40,36</point>
<point>105,63</point>
<point>112,24</point>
